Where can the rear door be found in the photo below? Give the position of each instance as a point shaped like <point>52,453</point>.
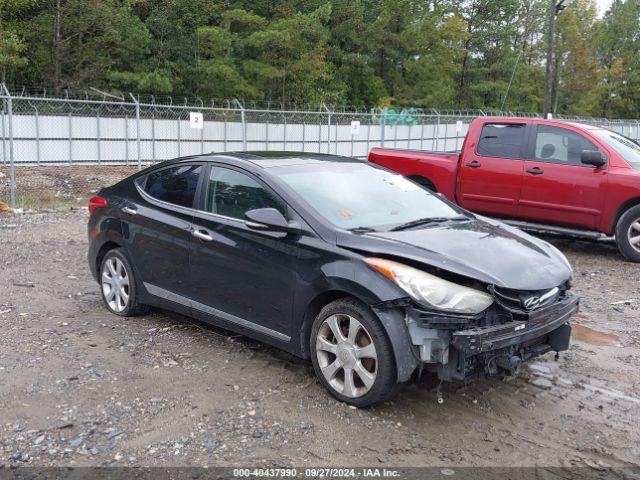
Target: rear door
<point>157,226</point>
<point>490,174</point>
<point>242,276</point>
<point>558,188</point>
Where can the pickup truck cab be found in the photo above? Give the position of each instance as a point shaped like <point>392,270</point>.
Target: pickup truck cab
<point>541,175</point>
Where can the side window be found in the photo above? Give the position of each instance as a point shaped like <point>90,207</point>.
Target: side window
<point>501,140</point>
<point>558,145</point>
<point>175,185</point>
<point>232,193</point>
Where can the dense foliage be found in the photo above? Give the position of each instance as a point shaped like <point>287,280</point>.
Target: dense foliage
<point>467,54</point>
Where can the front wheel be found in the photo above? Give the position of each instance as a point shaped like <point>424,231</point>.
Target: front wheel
<point>352,355</point>
<point>628,234</point>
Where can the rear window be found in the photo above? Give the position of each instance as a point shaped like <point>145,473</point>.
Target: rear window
<point>176,185</point>
<point>501,140</point>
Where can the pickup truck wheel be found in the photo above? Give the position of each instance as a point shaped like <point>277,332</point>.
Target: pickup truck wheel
<point>628,234</point>
<point>352,355</point>
<point>423,182</point>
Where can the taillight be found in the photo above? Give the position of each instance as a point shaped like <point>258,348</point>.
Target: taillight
<point>96,202</point>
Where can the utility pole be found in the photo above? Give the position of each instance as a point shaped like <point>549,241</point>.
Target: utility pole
<point>555,7</point>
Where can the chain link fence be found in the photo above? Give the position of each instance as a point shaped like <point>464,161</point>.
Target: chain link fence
<point>58,151</point>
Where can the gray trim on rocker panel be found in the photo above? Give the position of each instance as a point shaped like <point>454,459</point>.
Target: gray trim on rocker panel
<point>174,297</point>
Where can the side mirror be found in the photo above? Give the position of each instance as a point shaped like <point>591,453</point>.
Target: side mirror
<point>271,220</point>
<point>593,157</point>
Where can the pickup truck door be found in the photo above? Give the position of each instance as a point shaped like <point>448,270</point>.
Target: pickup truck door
<point>558,188</point>
<point>491,169</point>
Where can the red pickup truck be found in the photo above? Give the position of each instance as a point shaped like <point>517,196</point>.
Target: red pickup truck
<point>540,175</point>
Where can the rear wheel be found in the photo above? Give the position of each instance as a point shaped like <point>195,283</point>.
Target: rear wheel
<point>628,234</point>
<point>423,182</point>
<point>352,355</point>
<point>118,286</point>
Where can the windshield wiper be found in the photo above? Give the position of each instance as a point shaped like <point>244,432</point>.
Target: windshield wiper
<point>362,230</point>
<point>428,220</point>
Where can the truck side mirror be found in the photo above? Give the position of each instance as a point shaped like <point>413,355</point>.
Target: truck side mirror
<point>593,157</point>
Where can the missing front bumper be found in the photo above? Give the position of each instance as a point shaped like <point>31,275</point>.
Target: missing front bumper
<point>484,339</point>
<point>502,349</point>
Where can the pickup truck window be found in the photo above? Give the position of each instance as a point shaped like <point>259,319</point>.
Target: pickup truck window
<point>559,145</point>
<point>501,140</point>
<point>626,148</point>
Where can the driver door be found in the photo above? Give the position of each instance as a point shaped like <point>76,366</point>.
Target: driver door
<point>557,187</point>
<point>242,276</point>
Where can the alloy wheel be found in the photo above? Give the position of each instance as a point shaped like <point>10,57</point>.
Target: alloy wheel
<point>115,284</point>
<point>346,355</point>
<point>634,234</point>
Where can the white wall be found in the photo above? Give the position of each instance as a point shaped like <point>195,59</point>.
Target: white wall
<point>114,139</point>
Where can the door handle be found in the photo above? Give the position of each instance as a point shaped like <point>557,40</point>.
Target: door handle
<point>535,171</point>
<point>202,235</point>
<point>474,164</point>
<point>129,210</point>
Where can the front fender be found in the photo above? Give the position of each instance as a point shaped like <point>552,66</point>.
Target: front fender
<point>361,281</point>
<point>352,277</point>
<point>393,322</point>
<point>373,289</point>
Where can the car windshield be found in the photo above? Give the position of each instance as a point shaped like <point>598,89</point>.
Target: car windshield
<point>355,195</point>
<point>626,148</point>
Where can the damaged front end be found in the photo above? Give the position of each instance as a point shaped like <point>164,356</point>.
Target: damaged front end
<point>519,325</point>
<point>475,298</point>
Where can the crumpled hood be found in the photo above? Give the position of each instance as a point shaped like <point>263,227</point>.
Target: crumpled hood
<point>482,249</point>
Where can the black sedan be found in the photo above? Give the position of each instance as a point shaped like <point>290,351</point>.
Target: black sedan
<point>368,274</point>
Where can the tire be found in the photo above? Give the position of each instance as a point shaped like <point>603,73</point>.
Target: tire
<point>366,356</point>
<point>116,276</point>
<point>423,182</point>
<point>628,234</point>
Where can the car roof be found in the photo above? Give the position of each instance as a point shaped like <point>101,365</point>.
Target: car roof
<point>586,126</point>
<point>270,159</point>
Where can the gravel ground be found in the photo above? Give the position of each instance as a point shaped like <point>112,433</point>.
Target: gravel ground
<point>79,386</point>
<point>56,186</point>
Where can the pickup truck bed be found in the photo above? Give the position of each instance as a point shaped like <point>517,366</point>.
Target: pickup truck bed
<point>442,167</point>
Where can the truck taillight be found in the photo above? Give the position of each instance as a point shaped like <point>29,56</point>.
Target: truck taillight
<point>96,202</point>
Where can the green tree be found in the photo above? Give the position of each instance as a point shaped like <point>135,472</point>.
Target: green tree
<point>471,54</point>
<point>12,50</point>
<point>577,75</point>
<point>174,48</point>
<point>221,54</point>
<point>348,52</point>
<point>288,58</point>
<point>617,45</point>
<point>12,46</point>
<point>432,63</point>
<point>76,43</point>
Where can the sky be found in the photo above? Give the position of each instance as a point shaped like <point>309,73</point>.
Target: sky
<point>603,5</point>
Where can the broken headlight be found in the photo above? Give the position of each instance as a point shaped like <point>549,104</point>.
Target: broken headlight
<point>431,291</point>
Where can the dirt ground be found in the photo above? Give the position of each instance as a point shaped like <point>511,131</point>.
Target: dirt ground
<point>58,186</point>
<point>79,386</point>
